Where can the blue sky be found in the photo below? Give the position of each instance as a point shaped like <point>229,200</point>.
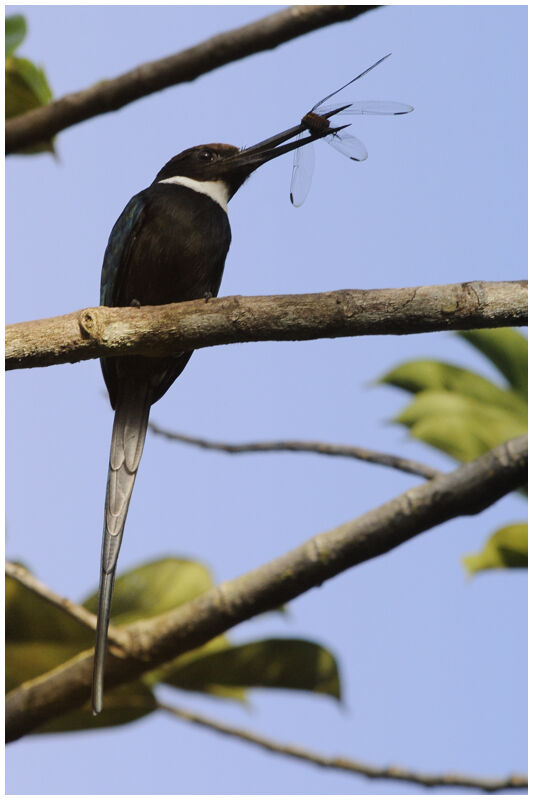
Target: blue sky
<point>433,665</point>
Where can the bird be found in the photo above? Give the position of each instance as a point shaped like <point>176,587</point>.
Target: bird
<point>169,245</point>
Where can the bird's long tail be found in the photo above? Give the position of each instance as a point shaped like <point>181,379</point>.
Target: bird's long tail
<point>127,442</point>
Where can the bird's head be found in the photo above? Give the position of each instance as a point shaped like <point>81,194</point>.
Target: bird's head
<point>228,166</point>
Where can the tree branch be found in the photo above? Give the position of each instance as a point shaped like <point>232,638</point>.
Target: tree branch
<point>467,490</point>
<point>322,448</point>
<point>179,327</point>
<point>79,613</point>
<point>349,764</point>
<point>109,95</point>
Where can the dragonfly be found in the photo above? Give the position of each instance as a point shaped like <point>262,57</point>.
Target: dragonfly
<point>317,121</point>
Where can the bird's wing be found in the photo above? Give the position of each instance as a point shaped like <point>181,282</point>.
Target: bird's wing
<point>115,271</point>
<point>118,249</point>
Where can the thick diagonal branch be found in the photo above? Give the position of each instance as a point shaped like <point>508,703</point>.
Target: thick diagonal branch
<point>467,490</point>
<point>178,327</point>
<point>265,34</point>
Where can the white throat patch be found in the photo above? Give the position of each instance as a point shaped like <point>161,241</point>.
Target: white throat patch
<point>216,190</point>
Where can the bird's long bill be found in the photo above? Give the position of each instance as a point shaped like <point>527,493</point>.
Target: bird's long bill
<point>253,157</point>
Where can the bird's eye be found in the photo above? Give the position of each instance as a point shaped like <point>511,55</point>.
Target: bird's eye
<point>205,155</point>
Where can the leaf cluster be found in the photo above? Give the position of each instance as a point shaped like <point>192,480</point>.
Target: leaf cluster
<point>40,637</point>
<point>465,414</point>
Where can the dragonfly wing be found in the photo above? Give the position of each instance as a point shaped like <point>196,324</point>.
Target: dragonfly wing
<point>365,72</point>
<point>302,173</point>
<point>380,107</point>
<point>348,145</point>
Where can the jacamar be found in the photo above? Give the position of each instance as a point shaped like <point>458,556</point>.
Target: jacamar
<point>168,245</point>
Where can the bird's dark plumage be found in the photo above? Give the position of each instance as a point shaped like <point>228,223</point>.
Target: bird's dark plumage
<point>142,265</point>
<point>168,245</point>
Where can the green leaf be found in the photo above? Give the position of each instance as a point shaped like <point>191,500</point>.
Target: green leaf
<point>154,588</point>
<point>421,375</point>
<point>39,636</point>
<point>168,672</point>
<point>28,660</point>
<point>29,617</point>
<point>121,705</point>
<point>33,80</point>
<point>274,663</point>
<point>26,88</point>
<point>505,548</point>
<point>15,33</point>
<point>459,425</point>
<point>507,349</point>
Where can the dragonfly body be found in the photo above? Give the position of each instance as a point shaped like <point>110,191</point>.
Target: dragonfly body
<point>317,120</point>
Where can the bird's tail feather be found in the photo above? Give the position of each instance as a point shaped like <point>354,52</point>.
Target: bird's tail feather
<point>127,442</point>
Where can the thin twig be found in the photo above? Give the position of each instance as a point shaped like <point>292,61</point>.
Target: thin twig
<point>109,95</point>
<point>322,448</point>
<point>180,327</point>
<point>348,764</point>
<point>468,489</point>
<point>81,614</point>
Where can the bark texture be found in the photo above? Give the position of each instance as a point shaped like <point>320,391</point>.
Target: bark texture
<point>179,327</point>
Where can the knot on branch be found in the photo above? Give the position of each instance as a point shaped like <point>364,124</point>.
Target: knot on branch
<point>90,324</point>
